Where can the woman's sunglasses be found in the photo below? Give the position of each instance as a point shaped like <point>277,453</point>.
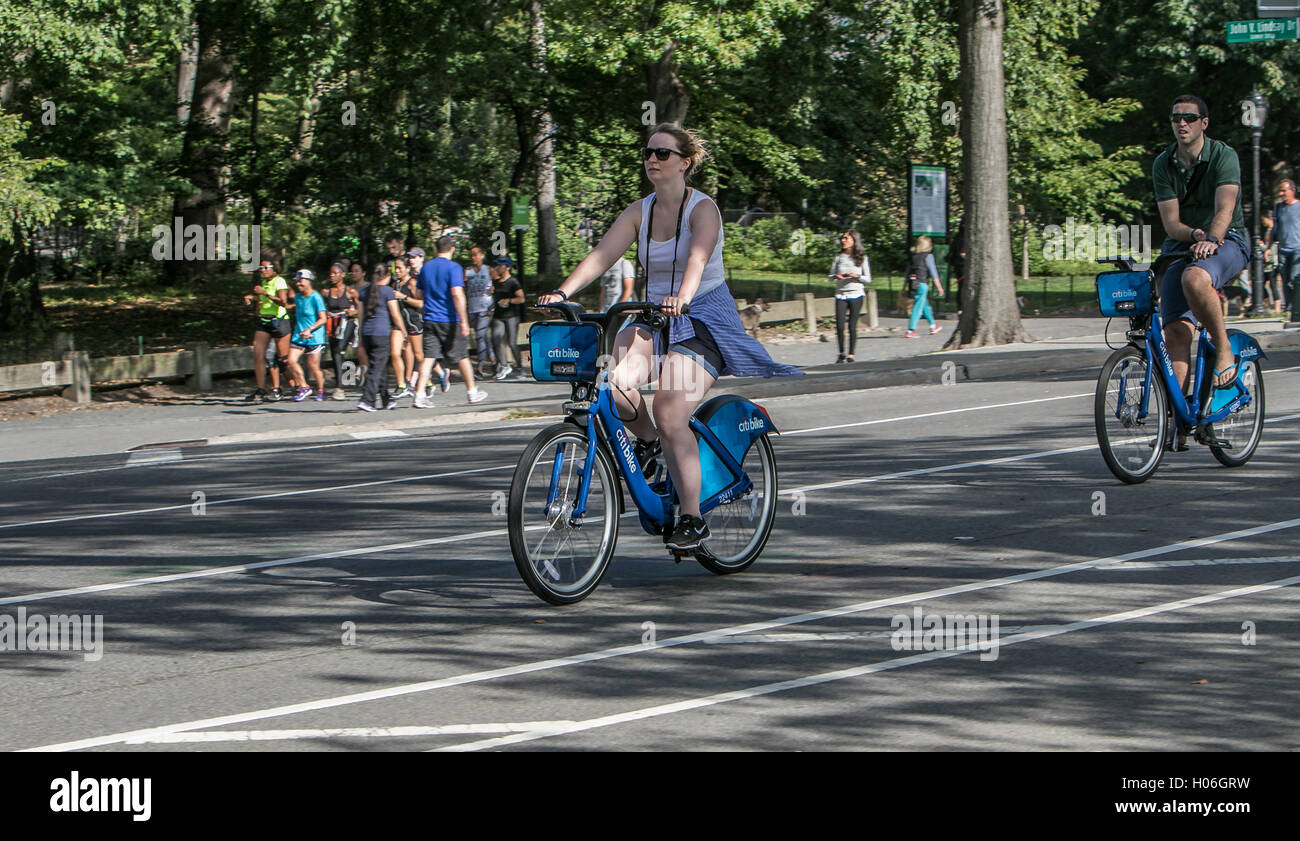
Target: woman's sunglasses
<point>661,153</point>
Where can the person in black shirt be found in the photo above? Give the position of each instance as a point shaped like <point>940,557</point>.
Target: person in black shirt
<point>507,311</point>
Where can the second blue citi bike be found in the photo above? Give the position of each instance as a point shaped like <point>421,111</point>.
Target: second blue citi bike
<point>1139,409</point>
<point>566,498</point>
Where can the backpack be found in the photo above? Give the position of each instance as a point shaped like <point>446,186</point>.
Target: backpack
<point>912,277</point>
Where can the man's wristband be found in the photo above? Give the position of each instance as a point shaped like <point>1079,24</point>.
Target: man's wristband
<point>560,293</point>
<point>1214,240</point>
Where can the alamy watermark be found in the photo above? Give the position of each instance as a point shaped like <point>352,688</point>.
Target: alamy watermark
<point>56,632</point>
<point>179,241</point>
<point>946,632</point>
<point>1088,242</point>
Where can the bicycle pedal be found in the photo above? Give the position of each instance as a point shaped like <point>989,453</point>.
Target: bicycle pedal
<point>1205,439</point>
<point>678,554</point>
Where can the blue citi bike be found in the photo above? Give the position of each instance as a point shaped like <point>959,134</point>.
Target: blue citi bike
<point>566,497</point>
<point>1139,408</point>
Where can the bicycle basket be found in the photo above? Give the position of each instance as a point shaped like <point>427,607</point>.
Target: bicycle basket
<point>1125,293</point>
<point>563,351</point>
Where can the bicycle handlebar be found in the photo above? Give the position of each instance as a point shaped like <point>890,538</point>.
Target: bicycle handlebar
<point>574,312</point>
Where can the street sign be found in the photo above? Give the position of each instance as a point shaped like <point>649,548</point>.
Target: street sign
<point>1274,29</point>
<point>1278,8</point>
<point>519,212</point>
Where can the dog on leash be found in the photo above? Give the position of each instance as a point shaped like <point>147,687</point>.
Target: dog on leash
<point>750,316</point>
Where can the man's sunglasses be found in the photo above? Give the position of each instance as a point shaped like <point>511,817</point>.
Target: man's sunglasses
<point>1181,117</point>
<point>265,268</point>
<point>661,153</point>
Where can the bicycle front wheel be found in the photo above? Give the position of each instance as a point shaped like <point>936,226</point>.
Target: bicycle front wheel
<point>739,529</point>
<point>562,558</point>
<point>1132,446</point>
<point>1243,428</point>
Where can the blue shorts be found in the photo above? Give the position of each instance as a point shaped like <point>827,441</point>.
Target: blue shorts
<point>1223,266</point>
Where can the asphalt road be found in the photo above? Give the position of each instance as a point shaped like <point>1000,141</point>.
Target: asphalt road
<point>361,596</point>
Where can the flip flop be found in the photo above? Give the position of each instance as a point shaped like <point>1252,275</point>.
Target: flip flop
<point>1236,368</point>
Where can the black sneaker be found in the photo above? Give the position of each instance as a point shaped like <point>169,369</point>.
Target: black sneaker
<point>255,395</point>
<point>275,395</point>
<point>689,533</point>
<point>647,456</point>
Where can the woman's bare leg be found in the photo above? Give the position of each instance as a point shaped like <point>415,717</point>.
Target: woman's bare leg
<point>683,383</point>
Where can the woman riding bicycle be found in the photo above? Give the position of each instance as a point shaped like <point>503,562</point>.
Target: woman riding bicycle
<point>683,267</point>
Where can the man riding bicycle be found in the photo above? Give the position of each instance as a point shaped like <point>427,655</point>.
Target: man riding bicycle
<point>1198,191</point>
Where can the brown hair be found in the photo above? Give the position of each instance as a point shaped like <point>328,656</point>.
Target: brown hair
<point>690,144</point>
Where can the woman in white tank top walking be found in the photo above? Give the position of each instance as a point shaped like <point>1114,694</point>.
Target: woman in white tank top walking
<point>678,231</point>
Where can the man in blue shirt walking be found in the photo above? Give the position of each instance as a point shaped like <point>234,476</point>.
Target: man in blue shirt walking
<point>446,322</point>
<point>1286,233</point>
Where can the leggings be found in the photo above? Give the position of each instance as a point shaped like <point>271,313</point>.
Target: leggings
<point>482,324</point>
<point>338,348</point>
<point>505,332</point>
<point>379,348</point>
<point>846,315</point>
<point>921,309</point>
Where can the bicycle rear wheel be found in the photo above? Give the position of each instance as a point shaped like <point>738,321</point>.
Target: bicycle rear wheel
<point>562,560</point>
<point>1243,428</point>
<point>1131,446</point>
<point>739,529</point>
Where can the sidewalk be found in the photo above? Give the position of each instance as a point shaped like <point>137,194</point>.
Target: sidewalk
<point>884,358</point>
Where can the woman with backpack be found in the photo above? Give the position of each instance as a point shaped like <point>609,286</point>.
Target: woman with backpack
<point>849,271</point>
<point>920,270</point>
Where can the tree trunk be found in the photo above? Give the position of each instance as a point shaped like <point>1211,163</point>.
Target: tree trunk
<point>548,244</point>
<point>666,89</point>
<point>991,317</point>
<point>206,134</point>
<point>1024,242</point>
<point>189,62</point>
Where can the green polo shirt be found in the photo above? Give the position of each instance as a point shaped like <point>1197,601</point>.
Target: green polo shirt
<point>1197,210</point>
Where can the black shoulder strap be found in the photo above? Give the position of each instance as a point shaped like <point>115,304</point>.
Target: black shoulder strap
<point>1197,173</point>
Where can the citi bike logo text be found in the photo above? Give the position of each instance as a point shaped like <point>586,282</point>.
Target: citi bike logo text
<point>563,353</point>
<point>626,448</point>
<point>179,241</point>
<point>1088,242</point>
<point>750,424</point>
<point>950,632</point>
<point>57,632</point>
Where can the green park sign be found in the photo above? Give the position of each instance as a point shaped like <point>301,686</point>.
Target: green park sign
<point>519,212</point>
<point>1274,29</point>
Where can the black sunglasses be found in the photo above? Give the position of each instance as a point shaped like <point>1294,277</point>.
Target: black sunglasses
<point>1187,117</point>
<point>661,153</point>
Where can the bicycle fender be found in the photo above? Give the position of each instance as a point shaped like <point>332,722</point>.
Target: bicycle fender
<point>737,423</point>
<point>1244,345</point>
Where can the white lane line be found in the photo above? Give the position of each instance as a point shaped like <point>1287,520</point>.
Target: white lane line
<point>241,499</point>
<point>163,455</point>
<point>1280,559</point>
<point>186,505</point>
<point>353,732</point>
<point>639,648</point>
<point>872,668</point>
<point>934,414</point>
<point>366,550</point>
<point>195,458</point>
<point>808,636</point>
<point>249,567</point>
<point>378,433</point>
<point>866,480</point>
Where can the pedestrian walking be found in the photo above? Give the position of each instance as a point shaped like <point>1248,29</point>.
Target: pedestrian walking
<point>920,271</point>
<point>380,308</point>
<point>308,336</point>
<point>850,272</point>
<point>617,284</point>
<point>341,311</point>
<point>1286,233</point>
<point>446,321</point>
<point>507,312</point>
<point>478,300</point>
<point>271,296</point>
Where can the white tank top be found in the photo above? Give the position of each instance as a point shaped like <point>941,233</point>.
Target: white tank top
<point>662,282</point>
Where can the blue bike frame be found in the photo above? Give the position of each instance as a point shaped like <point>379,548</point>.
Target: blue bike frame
<point>1187,414</point>
<point>604,425</point>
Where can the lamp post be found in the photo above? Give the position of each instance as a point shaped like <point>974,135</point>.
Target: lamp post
<point>1255,112</point>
